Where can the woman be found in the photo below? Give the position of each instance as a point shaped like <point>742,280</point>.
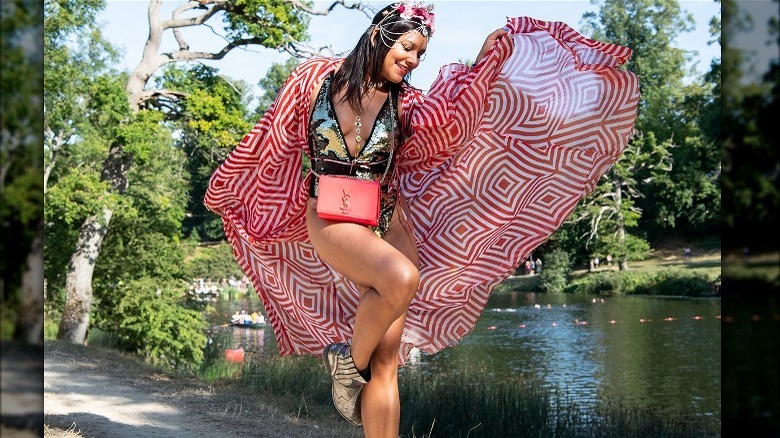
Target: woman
<point>457,168</point>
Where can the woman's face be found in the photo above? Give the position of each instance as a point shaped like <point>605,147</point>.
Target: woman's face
<point>404,56</point>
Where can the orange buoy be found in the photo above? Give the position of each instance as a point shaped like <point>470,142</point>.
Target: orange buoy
<point>236,355</point>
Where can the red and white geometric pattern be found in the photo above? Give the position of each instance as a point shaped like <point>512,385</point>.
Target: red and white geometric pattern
<point>499,155</point>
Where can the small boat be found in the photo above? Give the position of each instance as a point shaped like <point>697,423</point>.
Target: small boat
<point>255,325</point>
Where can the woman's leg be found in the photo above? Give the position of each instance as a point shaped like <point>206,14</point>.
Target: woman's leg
<point>381,403</point>
<point>381,406</point>
<point>390,276</point>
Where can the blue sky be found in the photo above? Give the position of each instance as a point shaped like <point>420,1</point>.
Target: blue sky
<point>461,28</point>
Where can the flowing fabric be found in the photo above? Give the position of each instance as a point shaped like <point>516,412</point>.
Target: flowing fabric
<point>498,156</point>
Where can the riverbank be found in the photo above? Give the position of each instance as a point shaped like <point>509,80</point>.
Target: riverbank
<point>668,257</point>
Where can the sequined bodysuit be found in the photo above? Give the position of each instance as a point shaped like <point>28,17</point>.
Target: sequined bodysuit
<point>330,155</point>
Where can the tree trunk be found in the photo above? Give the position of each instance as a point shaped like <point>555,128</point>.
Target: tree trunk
<point>151,59</point>
<point>621,227</point>
<point>78,283</point>
<point>29,325</point>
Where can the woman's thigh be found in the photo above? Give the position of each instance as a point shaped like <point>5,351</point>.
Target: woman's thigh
<point>400,236</point>
<point>355,251</point>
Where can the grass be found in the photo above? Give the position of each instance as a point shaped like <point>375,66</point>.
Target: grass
<point>467,403</point>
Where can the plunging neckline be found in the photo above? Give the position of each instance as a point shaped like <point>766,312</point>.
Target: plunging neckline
<point>341,132</point>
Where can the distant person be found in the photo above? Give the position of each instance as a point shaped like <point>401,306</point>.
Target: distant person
<point>257,318</point>
<point>538,265</point>
<point>596,262</point>
<point>687,253</point>
<point>609,260</point>
<point>244,318</point>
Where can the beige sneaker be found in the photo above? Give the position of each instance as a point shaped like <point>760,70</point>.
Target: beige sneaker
<point>347,382</point>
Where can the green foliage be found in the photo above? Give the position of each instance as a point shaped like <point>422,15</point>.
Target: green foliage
<point>7,322</point>
<point>51,319</point>
<point>676,282</point>
<point>272,83</point>
<point>273,23</point>
<point>213,261</point>
<point>76,196</point>
<point>24,197</point>
<point>669,282</point>
<point>557,267</point>
<point>211,120</point>
<point>63,18</point>
<point>668,176</point>
<point>143,238</point>
<point>649,28</point>
<point>21,204</point>
<point>457,403</point>
<point>749,139</point>
<point>76,77</point>
<point>633,249</point>
<point>472,402</point>
<point>151,321</point>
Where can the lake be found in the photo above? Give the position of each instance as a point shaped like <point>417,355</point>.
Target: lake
<point>650,352</point>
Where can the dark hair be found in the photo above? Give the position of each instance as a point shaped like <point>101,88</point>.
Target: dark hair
<point>368,56</point>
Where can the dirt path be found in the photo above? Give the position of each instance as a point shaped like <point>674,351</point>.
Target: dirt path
<point>101,393</point>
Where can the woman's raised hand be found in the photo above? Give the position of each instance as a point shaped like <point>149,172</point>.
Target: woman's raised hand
<point>489,41</point>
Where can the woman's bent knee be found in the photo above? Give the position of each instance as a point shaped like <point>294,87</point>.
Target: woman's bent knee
<point>401,281</point>
<point>409,282</point>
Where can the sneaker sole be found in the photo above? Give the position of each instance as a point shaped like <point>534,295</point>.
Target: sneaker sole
<point>356,419</point>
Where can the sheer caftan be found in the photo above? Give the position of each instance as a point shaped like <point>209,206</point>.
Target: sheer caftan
<point>497,156</point>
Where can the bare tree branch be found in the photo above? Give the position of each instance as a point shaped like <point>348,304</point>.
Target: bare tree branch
<point>219,6</point>
<point>161,93</point>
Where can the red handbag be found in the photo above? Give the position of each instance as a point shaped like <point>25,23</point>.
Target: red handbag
<point>348,199</point>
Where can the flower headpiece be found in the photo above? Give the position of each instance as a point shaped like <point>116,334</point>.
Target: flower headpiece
<point>408,10</point>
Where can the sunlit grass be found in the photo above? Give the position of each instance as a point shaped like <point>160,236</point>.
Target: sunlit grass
<point>470,402</point>
<point>759,266</point>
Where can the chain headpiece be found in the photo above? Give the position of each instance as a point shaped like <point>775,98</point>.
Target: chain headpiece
<point>408,10</point>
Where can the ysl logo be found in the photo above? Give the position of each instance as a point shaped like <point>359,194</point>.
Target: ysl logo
<point>344,201</point>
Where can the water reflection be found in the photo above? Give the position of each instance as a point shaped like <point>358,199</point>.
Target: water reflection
<point>252,340</point>
<point>649,352</point>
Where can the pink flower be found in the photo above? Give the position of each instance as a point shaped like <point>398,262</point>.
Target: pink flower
<point>408,10</point>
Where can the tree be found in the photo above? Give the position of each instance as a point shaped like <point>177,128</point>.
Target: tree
<point>748,134</point>
<point>274,24</point>
<point>272,83</point>
<point>643,179</point>
<point>209,122</point>
<point>21,207</point>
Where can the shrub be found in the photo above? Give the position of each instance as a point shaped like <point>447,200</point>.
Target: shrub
<point>666,282</point>
<point>151,321</point>
<point>555,272</point>
<point>676,282</point>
